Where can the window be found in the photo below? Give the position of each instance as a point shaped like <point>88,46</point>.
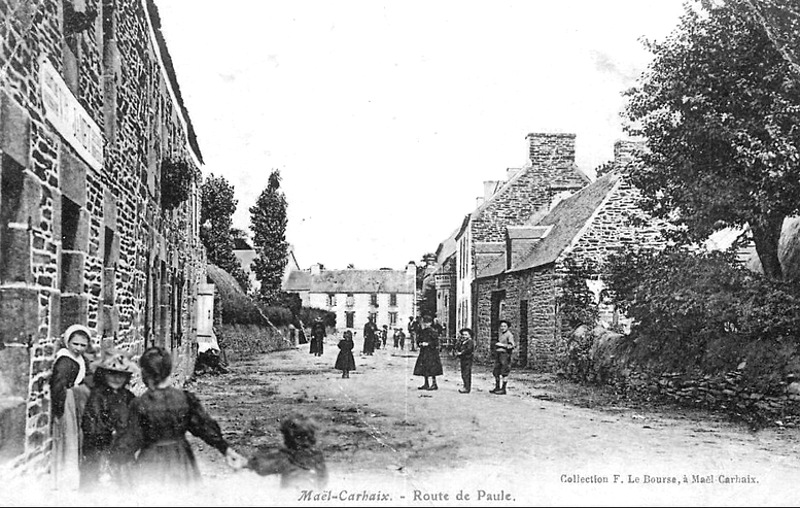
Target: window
<point>349,318</point>
<point>373,316</point>
<point>373,300</point>
<point>393,299</point>
<point>393,319</point>
<point>14,237</point>
<point>331,300</point>
<point>350,300</point>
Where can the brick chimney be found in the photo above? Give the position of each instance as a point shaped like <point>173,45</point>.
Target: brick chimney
<point>316,268</point>
<point>520,240</point>
<point>411,269</point>
<point>551,149</point>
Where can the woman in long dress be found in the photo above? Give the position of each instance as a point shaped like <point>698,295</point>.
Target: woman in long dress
<point>68,397</point>
<point>157,424</point>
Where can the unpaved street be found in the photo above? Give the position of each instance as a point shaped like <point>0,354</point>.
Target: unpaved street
<point>384,438</point>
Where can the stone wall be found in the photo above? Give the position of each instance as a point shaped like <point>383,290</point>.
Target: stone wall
<point>83,238</point>
<point>552,170</point>
<point>244,341</point>
<point>723,392</point>
<point>537,288</point>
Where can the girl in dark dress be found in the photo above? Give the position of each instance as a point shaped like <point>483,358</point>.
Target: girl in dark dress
<point>345,361</point>
<point>106,413</point>
<point>157,425</point>
<point>429,364</point>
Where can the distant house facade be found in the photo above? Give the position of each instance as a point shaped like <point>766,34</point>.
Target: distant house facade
<point>549,175</point>
<point>355,296</point>
<point>523,285</point>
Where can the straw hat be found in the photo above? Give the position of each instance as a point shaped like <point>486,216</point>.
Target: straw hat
<point>116,360</point>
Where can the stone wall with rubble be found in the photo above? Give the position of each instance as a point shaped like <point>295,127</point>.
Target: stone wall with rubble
<point>82,242</point>
<point>722,392</point>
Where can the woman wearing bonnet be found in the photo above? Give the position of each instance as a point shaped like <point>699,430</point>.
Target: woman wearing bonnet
<point>68,397</point>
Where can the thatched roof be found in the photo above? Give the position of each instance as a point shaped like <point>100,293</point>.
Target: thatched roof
<point>227,286</point>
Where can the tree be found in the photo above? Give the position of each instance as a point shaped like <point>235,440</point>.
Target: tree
<point>217,207</point>
<point>268,223</point>
<point>719,107</point>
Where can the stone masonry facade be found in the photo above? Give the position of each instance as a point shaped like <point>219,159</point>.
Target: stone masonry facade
<point>89,114</point>
<point>617,222</point>
<point>551,171</point>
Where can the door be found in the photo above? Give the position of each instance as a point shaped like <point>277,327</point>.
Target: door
<point>497,302</point>
<point>205,318</point>
<point>523,333</point>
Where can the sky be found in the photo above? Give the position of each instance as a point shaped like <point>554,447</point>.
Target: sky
<point>386,117</point>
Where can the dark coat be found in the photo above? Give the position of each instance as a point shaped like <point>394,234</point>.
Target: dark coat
<point>65,372</point>
<point>345,360</point>
<point>317,336</point>
<point>428,361</point>
<point>369,337</point>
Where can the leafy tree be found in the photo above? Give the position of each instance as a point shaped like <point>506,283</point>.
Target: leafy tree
<point>240,240</point>
<point>268,222</point>
<point>216,211</point>
<point>720,107</point>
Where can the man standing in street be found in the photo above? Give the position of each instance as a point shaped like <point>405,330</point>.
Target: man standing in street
<point>369,337</point>
<point>464,349</point>
<point>413,330</point>
<point>502,358</point>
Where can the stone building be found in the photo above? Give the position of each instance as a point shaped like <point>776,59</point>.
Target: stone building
<point>522,285</point>
<point>549,175</point>
<point>99,202</point>
<point>388,296</point>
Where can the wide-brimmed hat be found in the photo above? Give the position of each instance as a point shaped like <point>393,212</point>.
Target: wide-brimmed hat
<point>115,360</point>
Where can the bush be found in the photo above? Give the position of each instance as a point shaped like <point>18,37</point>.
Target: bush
<point>310,314</point>
<point>704,311</point>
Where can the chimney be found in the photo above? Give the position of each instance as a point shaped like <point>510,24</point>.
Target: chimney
<point>627,152</point>
<point>411,270</point>
<point>478,201</point>
<point>316,268</point>
<point>520,240</point>
<point>510,172</point>
<point>489,188</point>
<point>551,149</point>
<point>429,259</point>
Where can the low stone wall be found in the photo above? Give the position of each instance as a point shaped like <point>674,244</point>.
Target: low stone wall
<point>721,392</point>
<point>244,341</point>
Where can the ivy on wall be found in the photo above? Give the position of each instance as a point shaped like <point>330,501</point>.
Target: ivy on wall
<point>176,182</point>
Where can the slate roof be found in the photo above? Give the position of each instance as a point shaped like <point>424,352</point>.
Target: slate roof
<point>566,219</point>
<point>298,280</point>
<point>362,281</point>
<point>155,19</point>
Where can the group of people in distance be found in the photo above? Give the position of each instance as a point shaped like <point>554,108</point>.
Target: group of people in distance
<point>429,363</point>
<point>101,430</point>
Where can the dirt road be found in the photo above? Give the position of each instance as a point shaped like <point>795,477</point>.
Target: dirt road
<point>383,438</point>
<point>389,444</point>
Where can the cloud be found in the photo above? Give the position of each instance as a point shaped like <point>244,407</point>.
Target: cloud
<point>604,63</point>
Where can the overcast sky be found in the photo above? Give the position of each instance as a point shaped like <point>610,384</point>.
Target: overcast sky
<point>385,118</point>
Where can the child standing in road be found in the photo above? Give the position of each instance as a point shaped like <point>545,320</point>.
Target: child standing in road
<point>106,413</point>
<point>300,463</point>
<point>345,361</point>
<point>464,350</point>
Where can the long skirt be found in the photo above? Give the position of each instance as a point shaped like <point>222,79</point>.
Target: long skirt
<point>166,464</point>
<point>428,362</point>
<point>68,440</point>
<point>345,361</point>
